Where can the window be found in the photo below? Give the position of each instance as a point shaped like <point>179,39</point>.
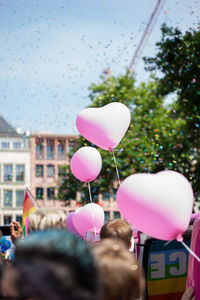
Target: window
<point>17,145</point>
<point>116,215</point>
<point>61,149</point>
<point>39,148</point>
<point>106,196</point>
<point>19,198</point>
<point>39,193</point>
<point>19,172</point>
<point>7,198</point>
<point>19,219</point>
<point>72,146</point>
<point>84,197</point>
<point>62,171</point>
<point>50,170</point>
<point>50,149</point>
<point>39,171</point>
<point>107,215</point>
<point>8,172</point>
<point>114,193</point>
<point>5,145</point>
<point>50,193</point>
<point>7,220</point>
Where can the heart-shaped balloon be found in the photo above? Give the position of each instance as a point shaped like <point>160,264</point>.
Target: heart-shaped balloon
<point>89,217</point>
<point>159,205</point>
<point>86,164</point>
<point>104,126</point>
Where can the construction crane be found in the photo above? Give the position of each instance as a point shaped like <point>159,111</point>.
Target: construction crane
<point>146,34</point>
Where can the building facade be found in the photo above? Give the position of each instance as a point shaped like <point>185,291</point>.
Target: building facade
<point>48,154</point>
<point>15,163</point>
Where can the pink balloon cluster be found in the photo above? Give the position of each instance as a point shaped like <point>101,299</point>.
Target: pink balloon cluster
<point>104,127</point>
<point>159,205</point>
<point>89,217</point>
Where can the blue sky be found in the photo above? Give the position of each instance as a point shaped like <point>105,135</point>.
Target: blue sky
<point>51,51</point>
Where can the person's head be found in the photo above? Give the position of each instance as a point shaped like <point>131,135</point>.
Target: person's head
<point>120,273</point>
<point>117,228</point>
<point>47,218</point>
<point>53,265</point>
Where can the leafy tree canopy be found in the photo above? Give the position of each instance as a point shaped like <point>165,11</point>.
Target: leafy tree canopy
<point>152,143</point>
<point>178,59</point>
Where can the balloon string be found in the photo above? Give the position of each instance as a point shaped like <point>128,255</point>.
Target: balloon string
<point>116,168</point>
<point>90,192</point>
<point>191,252</point>
<point>89,188</point>
<point>95,232</point>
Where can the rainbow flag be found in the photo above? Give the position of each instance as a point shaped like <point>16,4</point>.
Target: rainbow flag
<point>30,206</point>
<point>167,270</point>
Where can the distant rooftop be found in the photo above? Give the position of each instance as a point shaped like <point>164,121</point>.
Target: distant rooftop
<point>6,130</point>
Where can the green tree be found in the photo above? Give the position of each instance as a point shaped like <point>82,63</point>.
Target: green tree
<point>152,142</point>
<point>178,59</point>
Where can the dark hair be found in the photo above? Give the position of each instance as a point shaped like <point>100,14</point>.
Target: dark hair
<point>55,265</point>
<point>117,228</point>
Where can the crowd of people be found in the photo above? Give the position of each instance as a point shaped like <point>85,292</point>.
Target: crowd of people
<point>51,263</point>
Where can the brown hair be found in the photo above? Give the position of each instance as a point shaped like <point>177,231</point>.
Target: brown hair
<point>121,276</point>
<point>117,228</point>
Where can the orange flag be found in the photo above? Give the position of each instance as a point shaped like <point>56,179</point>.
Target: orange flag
<point>30,206</point>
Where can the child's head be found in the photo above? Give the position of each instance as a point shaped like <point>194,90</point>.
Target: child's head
<point>117,229</point>
<point>120,273</point>
<point>53,265</point>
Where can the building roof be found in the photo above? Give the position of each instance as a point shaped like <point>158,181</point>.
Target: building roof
<point>6,130</point>
<point>55,136</point>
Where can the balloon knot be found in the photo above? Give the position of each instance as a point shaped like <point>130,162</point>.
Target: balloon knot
<point>179,237</point>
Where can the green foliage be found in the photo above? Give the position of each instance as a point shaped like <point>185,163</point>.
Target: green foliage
<point>152,143</point>
<point>178,58</point>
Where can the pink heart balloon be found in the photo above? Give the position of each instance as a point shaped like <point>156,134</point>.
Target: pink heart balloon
<point>159,205</point>
<point>89,217</point>
<point>86,164</point>
<point>104,126</point>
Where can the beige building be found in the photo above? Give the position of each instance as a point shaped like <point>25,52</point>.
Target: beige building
<point>15,172</point>
<point>48,153</point>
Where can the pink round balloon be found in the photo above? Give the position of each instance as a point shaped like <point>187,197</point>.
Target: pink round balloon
<point>89,217</point>
<point>104,126</point>
<point>86,164</point>
<point>70,225</point>
<point>159,205</point>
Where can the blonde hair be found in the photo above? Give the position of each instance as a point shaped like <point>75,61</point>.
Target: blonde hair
<point>46,218</point>
<point>122,278</point>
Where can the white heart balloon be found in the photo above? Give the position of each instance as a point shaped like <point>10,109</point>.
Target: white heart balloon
<point>89,217</point>
<point>104,126</point>
<point>159,205</point>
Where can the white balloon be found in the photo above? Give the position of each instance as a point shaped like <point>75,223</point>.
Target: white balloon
<point>104,126</point>
<point>86,164</point>
<point>158,204</point>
